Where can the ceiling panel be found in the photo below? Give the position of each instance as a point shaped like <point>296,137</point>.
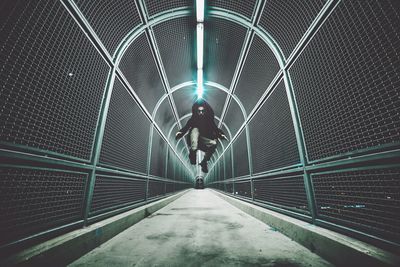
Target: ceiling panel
<point>222,46</point>
<point>139,68</point>
<point>176,43</point>
<point>258,71</point>
<point>157,6</point>
<point>111,20</point>
<point>287,21</point>
<point>245,8</point>
<point>184,99</point>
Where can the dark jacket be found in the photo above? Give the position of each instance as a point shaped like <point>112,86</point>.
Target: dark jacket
<point>205,124</point>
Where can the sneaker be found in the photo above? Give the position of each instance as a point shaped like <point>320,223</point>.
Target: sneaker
<point>192,157</point>
<point>204,167</point>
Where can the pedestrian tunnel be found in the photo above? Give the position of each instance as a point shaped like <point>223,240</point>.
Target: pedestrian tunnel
<point>92,94</point>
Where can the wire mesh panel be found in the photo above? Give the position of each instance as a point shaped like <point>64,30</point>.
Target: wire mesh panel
<point>240,157</point>
<point>164,116</point>
<point>35,200</point>
<point>347,79</point>
<point>139,68</point>
<point>221,173</point>
<point>285,192</point>
<point>234,117</point>
<point>228,187</point>
<point>184,99</point>
<point>180,186</point>
<point>228,163</point>
<point>366,200</point>
<point>224,41</point>
<point>51,79</point>
<point>126,134</point>
<point>171,165</point>
<point>115,192</point>
<point>258,71</point>
<point>158,155</point>
<point>245,8</point>
<point>111,20</point>
<point>156,188</point>
<point>157,6</point>
<point>169,188</point>
<point>272,138</point>
<point>287,21</point>
<point>216,98</point>
<point>243,188</point>
<point>176,42</point>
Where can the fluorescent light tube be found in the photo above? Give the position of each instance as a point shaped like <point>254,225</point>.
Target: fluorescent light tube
<point>200,43</point>
<point>200,88</point>
<point>200,10</point>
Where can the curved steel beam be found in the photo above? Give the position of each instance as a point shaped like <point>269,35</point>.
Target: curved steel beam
<point>192,83</point>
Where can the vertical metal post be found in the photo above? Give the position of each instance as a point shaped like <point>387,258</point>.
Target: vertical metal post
<point>300,142</point>
<point>149,148</point>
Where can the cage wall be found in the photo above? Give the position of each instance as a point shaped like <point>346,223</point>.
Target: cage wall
<point>78,142</point>
<point>323,120</point>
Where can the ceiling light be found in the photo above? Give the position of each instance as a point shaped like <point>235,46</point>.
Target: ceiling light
<point>200,10</point>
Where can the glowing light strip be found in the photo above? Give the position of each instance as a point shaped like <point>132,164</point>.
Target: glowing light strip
<point>200,46</point>
<point>200,88</point>
<point>200,10</point>
<point>200,43</point>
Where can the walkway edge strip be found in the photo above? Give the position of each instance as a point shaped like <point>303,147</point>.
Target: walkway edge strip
<point>66,248</point>
<point>336,248</point>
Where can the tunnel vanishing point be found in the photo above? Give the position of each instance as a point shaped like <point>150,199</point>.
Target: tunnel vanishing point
<point>92,93</point>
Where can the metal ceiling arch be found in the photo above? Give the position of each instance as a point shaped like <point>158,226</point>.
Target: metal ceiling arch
<point>192,83</point>
<point>152,21</point>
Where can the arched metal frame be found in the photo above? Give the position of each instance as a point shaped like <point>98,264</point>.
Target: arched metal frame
<point>252,28</point>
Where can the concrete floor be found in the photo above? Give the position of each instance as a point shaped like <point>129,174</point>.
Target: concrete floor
<point>200,229</point>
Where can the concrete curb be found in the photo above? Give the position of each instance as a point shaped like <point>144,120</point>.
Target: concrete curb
<point>338,249</point>
<point>66,248</point>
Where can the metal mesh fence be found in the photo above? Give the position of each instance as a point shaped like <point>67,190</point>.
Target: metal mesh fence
<point>228,187</point>
<point>111,21</point>
<point>216,98</point>
<point>176,42</point>
<point>243,188</point>
<point>171,165</point>
<point>287,21</point>
<point>367,200</point>
<point>34,200</point>
<point>234,117</point>
<point>156,188</point>
<point>169,187</point>
<point>157,6</point>
<point>286,192</point>
<point>240,156</point>
<point>158,155</point>
<point>47,86</point>
<point>245,8</point>
<point>346,81</point>
<point>164,116</point>
<point>114,192</point>
<point>273,140</point>
<point>224,41</point>
<point>126,134</point>
<point>228,163</point>
<point>258,71</point>
<point>139,68</point>
<point>221,173</point>
<point>184,99</point>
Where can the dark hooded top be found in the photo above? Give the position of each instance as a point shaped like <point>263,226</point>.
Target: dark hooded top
<point>205,123</point>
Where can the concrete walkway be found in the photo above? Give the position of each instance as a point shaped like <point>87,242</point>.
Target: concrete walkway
<point>200,229</point>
